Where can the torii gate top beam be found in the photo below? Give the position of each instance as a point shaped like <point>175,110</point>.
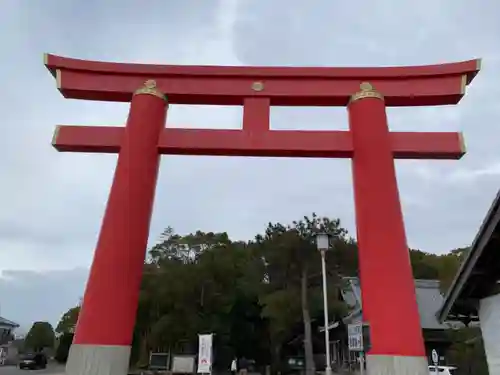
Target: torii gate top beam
<point>284,86</point>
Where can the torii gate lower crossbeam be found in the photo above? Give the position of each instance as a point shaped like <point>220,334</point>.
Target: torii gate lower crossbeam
<point>104,331</point>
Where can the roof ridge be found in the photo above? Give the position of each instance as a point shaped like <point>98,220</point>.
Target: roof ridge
<point>417,281</point>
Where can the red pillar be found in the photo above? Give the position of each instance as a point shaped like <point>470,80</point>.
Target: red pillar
<point>388,288</point>
<point>105,326</point>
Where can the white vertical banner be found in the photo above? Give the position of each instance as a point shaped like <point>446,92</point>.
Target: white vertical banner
<point>205,354</point>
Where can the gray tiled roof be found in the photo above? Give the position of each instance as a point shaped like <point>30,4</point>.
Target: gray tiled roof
<point>7,322</point>
<point>429,299</point>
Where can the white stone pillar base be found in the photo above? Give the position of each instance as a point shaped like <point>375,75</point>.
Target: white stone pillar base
<point>396,365</point>
<point>98,360</point>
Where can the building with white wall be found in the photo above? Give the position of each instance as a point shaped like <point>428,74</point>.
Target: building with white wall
<point>8,353</point>
<point>7,328</point>
<point>475,292</point>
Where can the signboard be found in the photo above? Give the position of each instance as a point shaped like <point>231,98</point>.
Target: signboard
<point>435,357</point>
<point>159,361</point>
<point>355,333</point>
<point>183,364</point>
<point>205,354</point>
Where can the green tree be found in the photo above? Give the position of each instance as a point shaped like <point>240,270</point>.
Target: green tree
<point>467,351</point>
<point>201,282</point>
<point>447,267</point>
<point>437,267</point>
<point>64,344</point>
<point>424,265</point>
<point>68,321</point>
<point>255,296</point>
<point>293,268</point>
<point>40,336</point>
<point>65,330</point>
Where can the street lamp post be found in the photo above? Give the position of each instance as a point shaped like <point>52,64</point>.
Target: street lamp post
<point>323,244</point>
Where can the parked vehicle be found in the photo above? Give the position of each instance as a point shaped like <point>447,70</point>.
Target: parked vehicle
<point>293,366</point>
<point>33,361</point>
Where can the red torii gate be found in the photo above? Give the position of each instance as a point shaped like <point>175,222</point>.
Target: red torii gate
<point>104,332</point>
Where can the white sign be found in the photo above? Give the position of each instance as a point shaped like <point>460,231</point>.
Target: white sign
<point>183,364</point>
<point>205,354</point>
<point>435,357</point>
<point>355,333</point>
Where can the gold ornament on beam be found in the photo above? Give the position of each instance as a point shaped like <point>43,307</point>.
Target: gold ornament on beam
<point>149,88</point>
<point>366,91</point>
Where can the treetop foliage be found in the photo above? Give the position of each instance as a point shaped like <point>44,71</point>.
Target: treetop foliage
<point>40,336</point>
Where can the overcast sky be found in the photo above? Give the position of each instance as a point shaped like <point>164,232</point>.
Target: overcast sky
<point>52,204</point>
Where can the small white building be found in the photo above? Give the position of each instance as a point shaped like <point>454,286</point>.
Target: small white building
<point>8,352</point>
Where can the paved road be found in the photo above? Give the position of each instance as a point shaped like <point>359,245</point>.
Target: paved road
<point>13,370</point>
